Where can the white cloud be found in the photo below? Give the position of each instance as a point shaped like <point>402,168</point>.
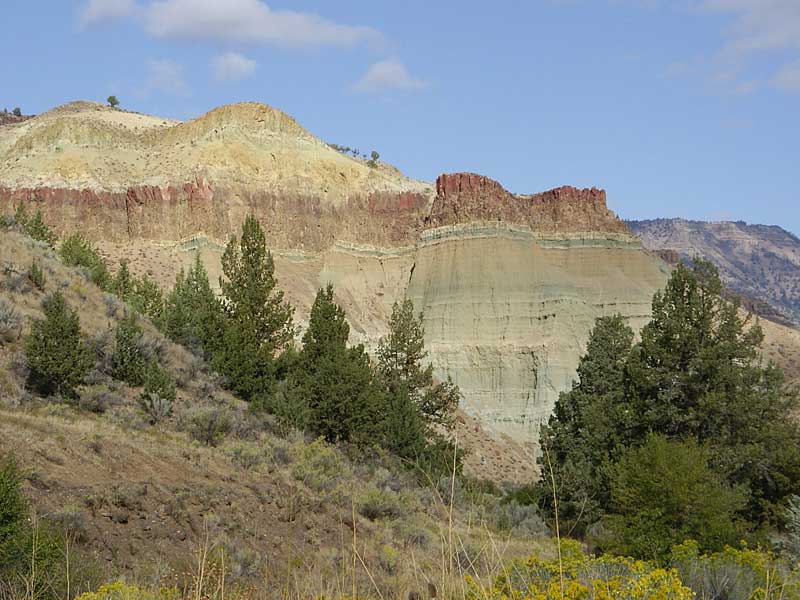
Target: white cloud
<point>788,78</point>
<point>249,21</point>
<point>232,66</point>
<point>759,24</point>
<point>96,11</point>
<point>166,76</point>
<point>388,75</point>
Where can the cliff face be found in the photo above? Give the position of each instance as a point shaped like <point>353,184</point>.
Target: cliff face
<point>465,197</point>
<point>509,285</point>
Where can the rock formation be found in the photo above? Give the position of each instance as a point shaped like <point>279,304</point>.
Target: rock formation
<point>509,285</point>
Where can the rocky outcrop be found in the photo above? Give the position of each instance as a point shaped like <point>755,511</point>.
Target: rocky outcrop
<point>509,285</point>
<point>466,197</point>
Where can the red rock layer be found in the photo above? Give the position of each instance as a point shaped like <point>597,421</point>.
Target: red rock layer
<point>176,212</point>
<point>307,222</point>
<point>465,197</point>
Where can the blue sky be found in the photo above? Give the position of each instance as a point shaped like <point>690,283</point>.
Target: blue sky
<point>684,108</point>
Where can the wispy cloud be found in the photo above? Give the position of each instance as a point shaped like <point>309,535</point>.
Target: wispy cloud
<point>388,75</point>
<point>94,12</point>
<point>166,76</point>
<point>251,22</point>
<point>232,66</point>
<point>760,28</point>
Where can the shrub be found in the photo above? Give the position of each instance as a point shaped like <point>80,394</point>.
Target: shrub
<point>57,358</point>
<point>123,591</point>
<point>246,456</point>
<point>581,577</point>
<point>17,112</point>
<point>97,399</point>
<point>734,573</point>
<point>518,518</point>
<point>36,275</point>
<point>77,251</point>
<point>664,493</point>
<point>380,504</point>
<point>10,323</point>
<point>318,465</point>
<point>158,396</point>
<point>113,102</point>
<point>210,425</point>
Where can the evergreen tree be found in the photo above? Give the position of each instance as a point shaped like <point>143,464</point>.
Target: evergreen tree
<point>258,321</point>
<point>77,251</point>
<point>128,361</point>
<point>122,284</point>
<point>192,313</point>
<point>158,395</point>
<point>589,425</point>
<point>415,406</point>
<point>343,397</point>
<point>148,298</point>
<point>401,355</point>
<point>57,357</point>
<point>35,226</point>
<point>696,375</point>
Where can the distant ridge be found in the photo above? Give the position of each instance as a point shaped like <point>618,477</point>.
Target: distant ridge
<point>760,261</point>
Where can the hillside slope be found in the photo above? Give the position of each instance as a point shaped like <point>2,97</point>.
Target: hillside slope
<point>757,260</point>
<point>139,499</point>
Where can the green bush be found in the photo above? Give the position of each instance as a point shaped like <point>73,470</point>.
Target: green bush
<point>25,542</point>
<point>128,361</point>
<point>318,465</point>
<point>58,359</point>
<point>158,396</point>
<point>210,425</point>
<point>34,226</point>
<point>36,275</point>
<point>664,493</point>
<point>77,251</point>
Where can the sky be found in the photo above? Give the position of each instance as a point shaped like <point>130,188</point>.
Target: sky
<point>678,108</point>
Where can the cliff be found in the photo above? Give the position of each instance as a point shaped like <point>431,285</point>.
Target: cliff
<point>509,285</point>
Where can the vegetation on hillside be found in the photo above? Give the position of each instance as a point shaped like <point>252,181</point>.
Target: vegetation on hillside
<point>685,434</point>
<point>665,455</point>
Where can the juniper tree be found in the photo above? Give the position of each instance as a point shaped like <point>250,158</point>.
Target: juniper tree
<point>697,374</point>
<point>192,313</point>
<point>344,400</point>
<point>122,284</point>
<point>258,323</point>
<point>401,358</point>
<point>128,361</point>
<point>416,407</point>
<point>58,359</point>
<point>590,424</point>
<point>77,251</point>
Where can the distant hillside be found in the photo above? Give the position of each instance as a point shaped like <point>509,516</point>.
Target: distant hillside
<point>759,261</point>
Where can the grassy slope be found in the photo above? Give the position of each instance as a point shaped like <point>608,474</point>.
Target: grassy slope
<point>140,500</point>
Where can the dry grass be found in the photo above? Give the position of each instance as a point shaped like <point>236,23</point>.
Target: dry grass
<point>257,516</point>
